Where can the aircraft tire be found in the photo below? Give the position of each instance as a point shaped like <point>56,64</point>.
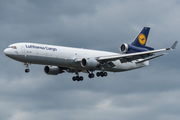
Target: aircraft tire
<point>101,74</point>
<point>105,74</point>
<point>77,78</point>
<point>27,70</point>
<point>81,78</point>
<point>74,78</point>
<point>98,74</point>
<point>91,75</point>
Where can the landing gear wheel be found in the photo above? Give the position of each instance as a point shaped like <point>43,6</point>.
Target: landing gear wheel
<point>81,78</point>
<point>98,74</point>
<point>91,75</point>
<point>74,78</point>
<point>27,70</point>
<point>105,74</point>
<point>77,78</point>
<point>102,74</point>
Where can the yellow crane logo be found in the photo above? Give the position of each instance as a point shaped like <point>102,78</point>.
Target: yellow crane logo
<point>142,39</point>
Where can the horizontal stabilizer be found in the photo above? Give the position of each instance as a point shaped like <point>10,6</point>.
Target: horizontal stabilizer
<point>150,58</point>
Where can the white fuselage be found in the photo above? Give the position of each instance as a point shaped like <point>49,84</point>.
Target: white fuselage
<point>66,57</point>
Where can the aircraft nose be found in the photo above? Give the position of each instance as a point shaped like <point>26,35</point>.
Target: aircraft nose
<point>7,51</point>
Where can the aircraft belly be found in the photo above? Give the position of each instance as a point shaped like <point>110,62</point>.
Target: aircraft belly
<point>120,67</point>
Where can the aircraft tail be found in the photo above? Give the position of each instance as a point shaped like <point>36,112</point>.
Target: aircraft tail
<point>141,39</point>
<point>139,44</point>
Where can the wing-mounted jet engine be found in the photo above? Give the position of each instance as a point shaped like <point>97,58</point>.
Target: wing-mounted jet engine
<point>52,70</point>
<point>89,63</point>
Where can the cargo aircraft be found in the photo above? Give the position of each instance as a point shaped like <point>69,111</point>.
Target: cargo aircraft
<point>60,59</point>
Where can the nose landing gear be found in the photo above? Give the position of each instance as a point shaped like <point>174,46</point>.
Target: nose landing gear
<point>27,70</point>
<point>27,67</point>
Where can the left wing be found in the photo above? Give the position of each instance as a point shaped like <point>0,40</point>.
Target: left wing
<point>134,56</point>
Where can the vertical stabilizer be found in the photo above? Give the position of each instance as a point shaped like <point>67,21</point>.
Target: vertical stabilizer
<point>141,39</point>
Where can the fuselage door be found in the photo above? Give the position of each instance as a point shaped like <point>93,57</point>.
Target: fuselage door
<point>22,49</point>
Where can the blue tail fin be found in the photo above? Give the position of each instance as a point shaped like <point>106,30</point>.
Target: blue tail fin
<point>141,39</point>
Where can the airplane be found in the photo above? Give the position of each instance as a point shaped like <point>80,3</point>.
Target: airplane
<point>58,59</point>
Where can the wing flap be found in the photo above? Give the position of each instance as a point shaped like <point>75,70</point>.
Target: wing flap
<point>150,58</point>
<point>131,58</point>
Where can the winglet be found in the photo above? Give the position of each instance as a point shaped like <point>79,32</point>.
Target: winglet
<point>174,45</point>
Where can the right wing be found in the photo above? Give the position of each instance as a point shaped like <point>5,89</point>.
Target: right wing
<point>134,56</point>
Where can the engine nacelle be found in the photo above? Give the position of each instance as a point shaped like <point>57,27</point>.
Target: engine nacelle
<point>52,70</point>
<point>124,48</point>
<point>89,63</point>
<point>127,48</point>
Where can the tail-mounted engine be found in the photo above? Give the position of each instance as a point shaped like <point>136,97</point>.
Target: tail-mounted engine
<point>124,48</point>
<point>127,48</point>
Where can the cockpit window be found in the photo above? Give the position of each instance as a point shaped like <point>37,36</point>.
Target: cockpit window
<point>13,47</point>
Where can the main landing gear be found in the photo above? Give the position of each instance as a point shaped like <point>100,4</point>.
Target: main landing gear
<point>91,75</point>
<point>102,74</point>
<point>77,78</point>
<point>27,67</point>
<point>98,74</point>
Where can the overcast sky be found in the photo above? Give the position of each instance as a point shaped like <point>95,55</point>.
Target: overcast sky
<point>150,93</point>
